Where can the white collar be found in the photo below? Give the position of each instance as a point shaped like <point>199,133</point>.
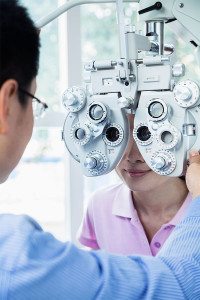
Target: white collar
<point>122,204</point>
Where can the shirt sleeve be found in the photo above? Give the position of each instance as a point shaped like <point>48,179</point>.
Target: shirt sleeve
<point>86,233</point>
<point>50,269</point>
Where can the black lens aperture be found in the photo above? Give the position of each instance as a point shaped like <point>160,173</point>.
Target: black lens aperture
<point>143,133</point>
<point>112,134</point>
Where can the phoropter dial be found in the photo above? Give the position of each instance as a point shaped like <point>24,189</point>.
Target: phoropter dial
<point>96,163</point>
<point>163,162</point>
<point>186,93</point>
<point>80,134</point>
<point>74,99</point>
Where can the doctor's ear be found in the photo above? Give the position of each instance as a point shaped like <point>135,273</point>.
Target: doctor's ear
<point>8,94</point>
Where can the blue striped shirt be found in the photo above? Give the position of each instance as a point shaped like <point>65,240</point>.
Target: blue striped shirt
<point>34,265</point>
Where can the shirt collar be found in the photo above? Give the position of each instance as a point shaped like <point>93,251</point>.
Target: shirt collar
<point>122,204</point>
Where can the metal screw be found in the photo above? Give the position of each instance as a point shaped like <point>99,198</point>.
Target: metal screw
<point>181,5</point>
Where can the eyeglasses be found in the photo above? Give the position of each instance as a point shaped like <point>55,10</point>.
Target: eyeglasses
<point>39,107</point>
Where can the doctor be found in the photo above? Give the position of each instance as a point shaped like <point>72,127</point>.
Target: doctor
<point>33,264</point>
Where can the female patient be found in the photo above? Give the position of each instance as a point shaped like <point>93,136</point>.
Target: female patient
<point>138,215</point>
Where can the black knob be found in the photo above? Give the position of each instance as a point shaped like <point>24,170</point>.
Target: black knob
<point>156,6</point>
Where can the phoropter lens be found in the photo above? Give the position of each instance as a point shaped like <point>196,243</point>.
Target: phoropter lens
<point>96,112</point>
<point>112,134</point>
<point>156,109</point>
<point>80,134</point>
<point>143,133</point>
<point>167,137</point>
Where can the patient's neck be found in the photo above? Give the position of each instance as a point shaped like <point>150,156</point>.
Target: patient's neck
<point>158,206</point>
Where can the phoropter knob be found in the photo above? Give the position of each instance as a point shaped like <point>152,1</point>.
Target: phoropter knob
<point>159,163</point>
<point>90,163</point>
<point>163,162</point>
<point>95,163</point>
<point>74,99</point>
<point>186,93</point>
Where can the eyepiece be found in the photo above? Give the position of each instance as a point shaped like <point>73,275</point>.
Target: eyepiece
<point>143,133</point>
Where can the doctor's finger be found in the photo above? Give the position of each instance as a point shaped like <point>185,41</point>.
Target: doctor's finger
<point>194,157</point>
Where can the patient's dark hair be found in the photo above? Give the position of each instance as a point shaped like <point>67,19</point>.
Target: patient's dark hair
<point>19,45</point>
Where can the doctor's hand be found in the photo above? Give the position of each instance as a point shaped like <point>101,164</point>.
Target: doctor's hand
<point>193,174</point>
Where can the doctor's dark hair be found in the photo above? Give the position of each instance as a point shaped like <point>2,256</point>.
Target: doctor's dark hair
<point>19,45</point>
